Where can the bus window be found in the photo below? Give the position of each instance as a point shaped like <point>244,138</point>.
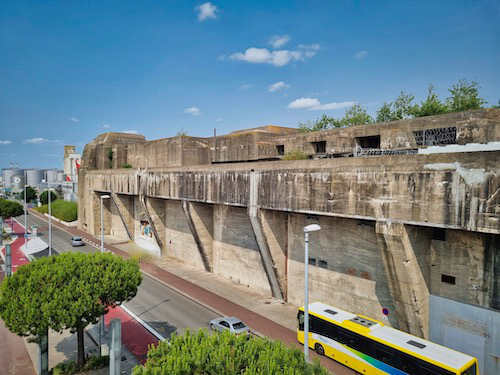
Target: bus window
<point>300,318</point>
<point>470,371</point>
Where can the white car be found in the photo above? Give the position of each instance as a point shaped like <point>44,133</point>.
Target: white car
<point>77,241</point>
<point>232,324</point>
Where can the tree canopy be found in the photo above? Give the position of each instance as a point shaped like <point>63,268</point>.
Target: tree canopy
<point>464,95</point>
<point>68,291</point>
<point>30,194</point>
<point>44,197</point>
<point>224,354</point>
<point>10,208</point>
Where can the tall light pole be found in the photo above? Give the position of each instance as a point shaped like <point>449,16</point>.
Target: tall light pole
<point>25,214</point>
<point>102,222</point>
<point>307,229</point>
<point>101,326</point>
<point>49,193</point>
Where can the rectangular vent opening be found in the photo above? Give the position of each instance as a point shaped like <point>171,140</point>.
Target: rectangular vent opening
<point>448,279</point>
<point>330,312</point>
<point>312,261</point>
<point>415,343</point>
<point>280,149</point>
<point>319,147</point>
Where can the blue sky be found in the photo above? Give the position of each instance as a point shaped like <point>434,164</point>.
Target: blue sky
<point>73,69</point>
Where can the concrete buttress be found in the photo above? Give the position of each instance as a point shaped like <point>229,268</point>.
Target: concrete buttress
<point>265,253</point>
<point>186,207</point>
<point>405,277</point>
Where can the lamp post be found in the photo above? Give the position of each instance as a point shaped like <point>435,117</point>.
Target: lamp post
<point>25,215</point>
<point>307,229</point>
<point>49,193</point>
<point>101,325</point>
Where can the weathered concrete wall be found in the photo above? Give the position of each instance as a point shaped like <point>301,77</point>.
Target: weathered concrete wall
<point>346,271</point>
<point>236,254</point>
<point>179,241</point>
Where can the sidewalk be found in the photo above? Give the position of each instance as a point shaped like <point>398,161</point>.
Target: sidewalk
<point>273,319</point>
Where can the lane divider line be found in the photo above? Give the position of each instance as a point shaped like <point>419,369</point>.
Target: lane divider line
<point>153,331</point>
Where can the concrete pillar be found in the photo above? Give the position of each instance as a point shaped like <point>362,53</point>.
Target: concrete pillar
<point>115,350</point>
<point>157,212</point>
<point>198,230</point>
<point>123,209</point>
<point>265,253</point>
<point>146,205</point>
<point>406,275</point>
<point>43,355</point>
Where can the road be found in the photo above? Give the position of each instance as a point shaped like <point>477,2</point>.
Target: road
<point>161,307</point>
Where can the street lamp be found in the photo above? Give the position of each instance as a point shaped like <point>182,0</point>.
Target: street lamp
<point>102,222</point>
<point>25,215</point>
<point>307,229</point>
<point>101,326</point>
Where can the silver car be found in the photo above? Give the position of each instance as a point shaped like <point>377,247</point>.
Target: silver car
<point>77,241</point>
<point>232,324</point>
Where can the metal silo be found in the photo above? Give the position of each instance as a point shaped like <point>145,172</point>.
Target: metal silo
<point>60,176</point>
<point>34,177</point>
<point>51,176</point>
<point>7,177</point>
<point>17,180</point>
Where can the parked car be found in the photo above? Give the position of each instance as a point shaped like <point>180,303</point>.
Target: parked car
<point>232,324</point>
<point>77,241</point>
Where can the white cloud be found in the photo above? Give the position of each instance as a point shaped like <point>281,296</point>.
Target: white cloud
<point>277,58</point>
<point>74,119</point>
<point>278,86</point>
<point>35,141</point>
<point>130,131</point>
<point>206,11</point>
<point>220,119</point>
<point>195,111</point>
<point>313,104</point>
<point>278,41</point>
<point>246,86</point>
<point>309,49</point>
<point>106,126</point>
<point>360,55</point>
<point>5,142</point>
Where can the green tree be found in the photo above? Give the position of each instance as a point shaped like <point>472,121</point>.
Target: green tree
<point>323,123</point>
<point>431,105</point>
<point>402,108</point>
<point>384,113</point>
<point>225,354</point>
<point>68,291</point>
<point>464,96</point>
<point>44,197</point>
<point>30,194</point>
<point>10,209</point>
<point>356,115</point>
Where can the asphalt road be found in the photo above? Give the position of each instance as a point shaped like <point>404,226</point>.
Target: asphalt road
<point>161,307</point>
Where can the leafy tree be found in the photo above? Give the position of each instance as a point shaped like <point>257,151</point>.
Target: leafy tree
<point>30,194</point>
<point>431,105</point>
<point>10,209</point>
<point>384,113</point>
<point>403,107</point>
<point>44,197</point>
<point>68,291</point>
<point>225,354</point>
<point>323,123</point>
<point>464,96</point>
<point>356,115</point>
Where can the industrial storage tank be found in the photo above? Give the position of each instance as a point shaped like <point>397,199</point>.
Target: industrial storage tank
<point>34,177</point>
<point>60,176</point>
<point>17,180</point>
<point>7,177</point>
<point>51,176</point>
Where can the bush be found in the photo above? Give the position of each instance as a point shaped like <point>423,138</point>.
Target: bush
<point>63,210</point>
<point>10,209</point>
<point>44,197</point>
<point>295,155</point>
<point>70,367</point>
<point>224,353</point>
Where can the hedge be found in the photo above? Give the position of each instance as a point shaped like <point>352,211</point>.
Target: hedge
<point>63,210</point>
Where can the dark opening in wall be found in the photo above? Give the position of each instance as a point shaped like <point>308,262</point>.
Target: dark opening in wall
<point>323,263</point>
<point>280,149</point>
<point>312,261</point>
<point>447,279</point>
<point>372,141</point>
<point>439,234</point>
<point>319,147</point>
<point>438,136</point>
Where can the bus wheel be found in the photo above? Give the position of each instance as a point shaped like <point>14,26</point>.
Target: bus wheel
<point>319,349</point>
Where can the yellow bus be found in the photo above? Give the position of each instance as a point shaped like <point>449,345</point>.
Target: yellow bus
<point>370,347</point>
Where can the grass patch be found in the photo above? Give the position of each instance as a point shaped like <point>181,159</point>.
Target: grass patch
<point>70,367</point>
<point>141,256</point>
<point>63,210</point>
